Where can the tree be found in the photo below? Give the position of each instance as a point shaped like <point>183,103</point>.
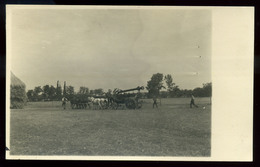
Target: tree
<point>83,90</point>
<point>207,89</point>
<point>185,93</point>
<point>70,91</point>
<point>98,91</point>
<point>37,93</point>
<point>198,92</point>
<point>173,90</point>
<point>58,91</point>
<point>52,92</point>
<point>164,94</point>
<point>155,84</point>
<point>30,95</point>
<point>91,92</point>
<point>46,90</point>
<point>176,92</point>
<point>169,82</point>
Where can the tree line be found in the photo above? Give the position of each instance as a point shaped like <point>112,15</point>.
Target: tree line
<point>159,85</point>
<point>155,87</point>
<point>51,93</point>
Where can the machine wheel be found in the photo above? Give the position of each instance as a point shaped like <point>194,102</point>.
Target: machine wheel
<point>139,105</point>
<point>130,104</point>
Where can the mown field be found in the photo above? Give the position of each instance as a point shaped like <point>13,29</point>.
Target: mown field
<point>174,129</point>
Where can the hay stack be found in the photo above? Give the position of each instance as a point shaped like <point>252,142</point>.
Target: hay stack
<point>18,93</point>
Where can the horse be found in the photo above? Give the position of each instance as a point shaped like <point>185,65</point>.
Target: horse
<point>99,103</point>
<point>80,103</point>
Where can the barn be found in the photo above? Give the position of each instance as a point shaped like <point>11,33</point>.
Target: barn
<point>18,96</point>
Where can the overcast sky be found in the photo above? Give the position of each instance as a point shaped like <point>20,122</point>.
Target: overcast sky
<point>110,48</point>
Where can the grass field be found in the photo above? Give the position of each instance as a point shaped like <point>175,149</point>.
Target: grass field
<point>174,129</point>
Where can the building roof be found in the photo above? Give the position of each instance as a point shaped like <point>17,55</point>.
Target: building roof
<point>16,81</point>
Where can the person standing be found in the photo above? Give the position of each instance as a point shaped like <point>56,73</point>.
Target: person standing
<point>192,103</point>
<point>155,102</point>
<point>64,101</point>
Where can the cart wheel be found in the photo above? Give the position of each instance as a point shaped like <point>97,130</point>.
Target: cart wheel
<point>139,105</point>
<point>130,104</point>
<point>114,106</point>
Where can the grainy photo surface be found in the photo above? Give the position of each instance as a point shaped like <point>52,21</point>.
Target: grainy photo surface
<point>110,81</point>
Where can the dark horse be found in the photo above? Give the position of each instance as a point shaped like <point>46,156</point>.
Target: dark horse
<point>79,103</point>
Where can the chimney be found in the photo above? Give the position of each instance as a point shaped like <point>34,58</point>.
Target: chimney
<point>64,89</point>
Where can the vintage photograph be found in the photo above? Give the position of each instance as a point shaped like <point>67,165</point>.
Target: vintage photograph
<point>109,81</point>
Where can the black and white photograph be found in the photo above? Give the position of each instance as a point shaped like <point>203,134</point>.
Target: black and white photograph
<point>110,82</point>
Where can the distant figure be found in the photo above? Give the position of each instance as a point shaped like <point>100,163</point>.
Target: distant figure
<point>64,100</point>
<point>192,102</point>
<point>155,102</point>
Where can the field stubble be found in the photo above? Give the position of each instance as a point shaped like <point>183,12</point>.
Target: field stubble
<point>174,129</point>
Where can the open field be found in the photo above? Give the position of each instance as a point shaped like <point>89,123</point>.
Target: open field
<point>174,129</point>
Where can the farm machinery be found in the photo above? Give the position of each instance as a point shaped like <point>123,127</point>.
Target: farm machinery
<point>130,100</point>
<point>119,98</point>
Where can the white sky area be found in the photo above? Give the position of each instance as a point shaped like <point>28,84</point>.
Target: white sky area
<point>110,48</point>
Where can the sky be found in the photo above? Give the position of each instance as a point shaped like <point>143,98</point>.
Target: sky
<point>110,48</point>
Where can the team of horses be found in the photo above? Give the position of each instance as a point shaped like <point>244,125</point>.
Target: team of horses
<point>100,103</point>
<point>95,103</point>
<point>88,102</point>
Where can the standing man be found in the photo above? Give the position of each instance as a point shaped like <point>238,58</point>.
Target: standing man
<point>64,100</point>
<point>192,102</point>
<point>155,101</point>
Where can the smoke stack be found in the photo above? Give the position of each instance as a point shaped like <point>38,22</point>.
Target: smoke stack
<point>57,84</point>
<point>64,89</point>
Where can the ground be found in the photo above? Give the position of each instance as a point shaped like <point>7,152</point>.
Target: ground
<point>174,129</point>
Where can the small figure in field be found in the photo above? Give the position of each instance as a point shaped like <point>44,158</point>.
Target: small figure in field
<point>155,102</point>
<point>192,102</point>
<point>64,101</point>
